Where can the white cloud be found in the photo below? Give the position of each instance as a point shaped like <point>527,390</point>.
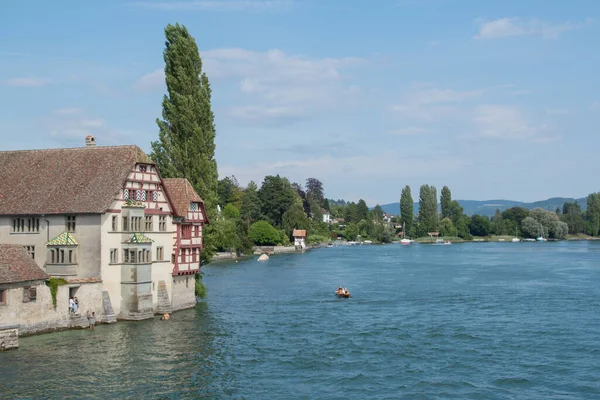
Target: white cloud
<point>507,122</point>
<point>150,81</point>
<point>507,27</point>
<point>25,82</point>
<point>217,5</point>
<point>425,102</point>
<point>273,85</point>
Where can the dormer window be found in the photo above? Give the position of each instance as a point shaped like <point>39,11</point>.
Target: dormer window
<point>143,168</point>
<point>194,207</point>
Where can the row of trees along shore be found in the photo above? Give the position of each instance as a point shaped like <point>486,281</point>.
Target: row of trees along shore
<point>266,215</point>
<point>451,221</point>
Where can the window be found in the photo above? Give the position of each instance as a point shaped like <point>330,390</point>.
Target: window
<point>162,223</point>
<point>70,223</point>
<point>183,256</point>
<point>30,251</point>
<point>114,256</point>
<point>25,225</point>
<point>125,224</point>
<point>138,195</point>
<point>144,256</point>
<point>136,224</point>
<point>186,231</point>
<point>143,195</point>
<point>115,223</point>
<point>148,223</point>
<point>129,256</point>
<point>155,196</point>
<point>29,294</point>
<point>194,255</point>
<point>143,168</point>
<point>160,253</point>
<point>62,256</point>
<point>194,207</point>
<point>2,297</point>
<point>186,282</point>
<point>126,194</point>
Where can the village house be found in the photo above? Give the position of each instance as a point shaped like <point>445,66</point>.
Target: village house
<point>100,218</point>
<point>189,217</point>
<point>326,216</point>
<point>299,238</point>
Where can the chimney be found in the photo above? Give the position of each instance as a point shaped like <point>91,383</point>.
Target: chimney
<point>90,141</point>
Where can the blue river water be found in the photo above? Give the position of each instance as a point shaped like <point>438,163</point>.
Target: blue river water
<point>467,321</point>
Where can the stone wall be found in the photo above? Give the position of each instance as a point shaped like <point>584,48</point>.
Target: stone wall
<point>40,315</point>
<point>183,292</point>
<point>9,337</point>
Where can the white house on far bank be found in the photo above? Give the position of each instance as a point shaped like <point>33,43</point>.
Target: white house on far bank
<point>326,216</point>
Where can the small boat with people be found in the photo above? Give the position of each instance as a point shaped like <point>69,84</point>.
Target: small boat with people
<point>342,292</point>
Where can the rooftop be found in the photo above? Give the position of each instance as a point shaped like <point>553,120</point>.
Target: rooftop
<point>16,265</point>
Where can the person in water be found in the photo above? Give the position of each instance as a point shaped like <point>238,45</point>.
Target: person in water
<point>165,317</point>
<point>92,319</point>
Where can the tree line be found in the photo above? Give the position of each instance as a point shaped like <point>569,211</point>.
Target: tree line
<point>451,221</point>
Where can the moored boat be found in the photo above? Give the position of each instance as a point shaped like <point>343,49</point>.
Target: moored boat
<point>342,292</point>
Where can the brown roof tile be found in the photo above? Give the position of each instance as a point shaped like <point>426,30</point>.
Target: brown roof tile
<point>60,181</point>
<point>18,266</point>
<point>299,233</point>
<point>181,194</point>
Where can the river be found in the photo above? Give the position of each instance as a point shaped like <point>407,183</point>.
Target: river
<point>467,321</point>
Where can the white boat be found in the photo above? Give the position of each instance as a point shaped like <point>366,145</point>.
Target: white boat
<point>405,241</point>
<point>516,238</point>
<point>541,239</point>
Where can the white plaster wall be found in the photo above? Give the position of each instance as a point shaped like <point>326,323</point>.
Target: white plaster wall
<point>161,271</point>
<point>87,234</point>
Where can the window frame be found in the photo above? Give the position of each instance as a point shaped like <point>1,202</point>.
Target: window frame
<point>70,223</point>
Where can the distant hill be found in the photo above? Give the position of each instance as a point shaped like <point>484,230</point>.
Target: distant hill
<point>489,207</point>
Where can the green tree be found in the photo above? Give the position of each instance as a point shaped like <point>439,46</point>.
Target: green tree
<point>351,213</point>
<point>362,211</point>
<point>250,209</point>
<point>377,213</point>
<point>314,190</point>
<point>186,138</point>
<point>573,217</point>
<point>593,214</point>
<point>264,234</point>
<point>516,214</point>
<point>406,209</point>
<point>447,228</point>
<point>428,217</point>
<point>480,225</point>
<point>294,218</point>
<point>531,228</point>
<point>231,212</point>
<point>351,232</point>
<point>229,191</point>
<point>445,200</point>
<point>276,197</point>
<point>225,234</point>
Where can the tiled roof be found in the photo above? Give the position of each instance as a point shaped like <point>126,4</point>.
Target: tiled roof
<point>139,238</point>
<point>60,181</point>
<point>64,239</point>
<point>299,233</point>
<point>18,266</point>
<point>181,193</point>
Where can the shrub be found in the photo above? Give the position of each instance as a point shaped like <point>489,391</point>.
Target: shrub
<point>264,234</point>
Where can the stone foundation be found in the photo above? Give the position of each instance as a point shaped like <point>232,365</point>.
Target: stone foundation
<point>9,337</point>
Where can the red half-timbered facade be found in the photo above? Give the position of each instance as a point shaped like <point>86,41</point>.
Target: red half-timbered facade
<point>189,218</point>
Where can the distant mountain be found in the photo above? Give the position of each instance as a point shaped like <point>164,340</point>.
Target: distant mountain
<point>489,207</point>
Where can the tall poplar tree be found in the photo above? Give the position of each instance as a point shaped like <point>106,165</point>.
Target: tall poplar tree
<point>406,209</point>
<point>428,218</point>
<point>445,200</point>
<point>186,138</point>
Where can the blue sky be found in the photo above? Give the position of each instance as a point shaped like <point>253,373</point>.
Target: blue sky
<point>496,99</point>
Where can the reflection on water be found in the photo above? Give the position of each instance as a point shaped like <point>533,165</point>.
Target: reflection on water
<point>149,359</point>
<point>489,320</point>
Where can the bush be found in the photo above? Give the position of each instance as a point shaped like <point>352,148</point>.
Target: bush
<point>313,239</point>
<point>264,234</point>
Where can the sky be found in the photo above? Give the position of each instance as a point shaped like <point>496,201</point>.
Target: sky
<point>495,99</point>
